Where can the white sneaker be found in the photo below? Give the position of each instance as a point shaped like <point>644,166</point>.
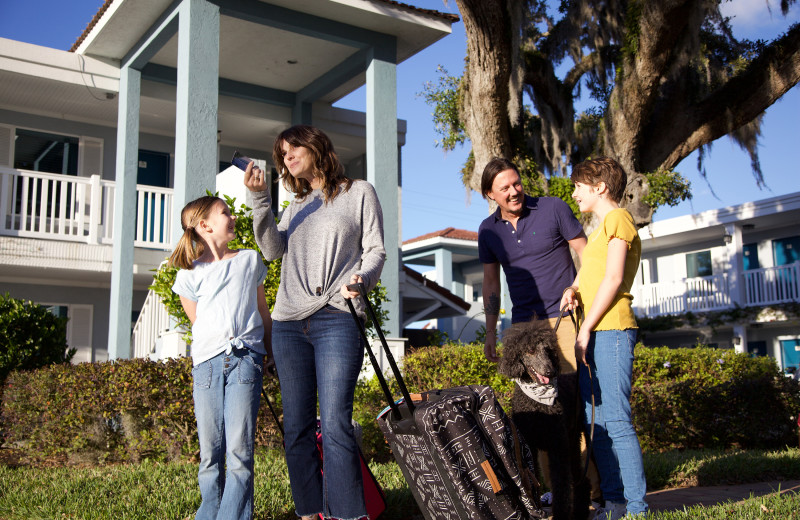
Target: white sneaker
<point>611,511</point>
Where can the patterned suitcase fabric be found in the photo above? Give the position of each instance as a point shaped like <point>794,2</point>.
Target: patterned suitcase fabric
<point>462,462</point>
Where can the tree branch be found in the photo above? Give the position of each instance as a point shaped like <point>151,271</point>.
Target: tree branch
<point>740,100</point>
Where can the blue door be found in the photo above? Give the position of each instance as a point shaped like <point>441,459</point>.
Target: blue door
<point>790,352</point>
<point>153,171</point>
<point>786,251</point>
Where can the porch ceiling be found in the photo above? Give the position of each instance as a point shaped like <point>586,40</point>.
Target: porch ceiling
<point>317,35</point>
<point>271,63</point>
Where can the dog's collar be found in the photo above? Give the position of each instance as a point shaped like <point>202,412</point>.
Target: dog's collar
<point>545,394</point>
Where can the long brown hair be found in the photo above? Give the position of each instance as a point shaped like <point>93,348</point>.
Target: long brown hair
<point>191,246</point>
<point>326,165</point>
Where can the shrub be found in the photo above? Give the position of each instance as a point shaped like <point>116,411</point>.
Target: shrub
<point>711,398</point>
<point>30,336</point>
<point>127,410</point>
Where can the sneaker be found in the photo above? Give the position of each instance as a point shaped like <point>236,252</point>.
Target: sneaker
<point>611,511</point>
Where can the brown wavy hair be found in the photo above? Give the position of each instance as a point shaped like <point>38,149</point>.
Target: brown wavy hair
<point>326,165</point>
<point>191,246</point>
<point>602,169</point>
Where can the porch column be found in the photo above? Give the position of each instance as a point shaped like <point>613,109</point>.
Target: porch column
<point>740,338</point>
<point>119,322</point>
<point>197,99</point>
<point>444,268</point>
<point>733,246</point>
<point>383,168</point>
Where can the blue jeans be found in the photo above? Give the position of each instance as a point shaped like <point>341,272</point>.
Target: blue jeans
<point>227,393</point>
<point>616,446</point>
<point>321,355</point>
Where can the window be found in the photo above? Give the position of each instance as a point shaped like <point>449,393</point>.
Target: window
<point>477,292</point>
<point>750,257</point>
<point>43,152</point>
<point>698,264</point>
<point>786,250</point>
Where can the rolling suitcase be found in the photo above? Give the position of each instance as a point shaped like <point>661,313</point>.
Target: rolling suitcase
<point>374,498</point>
<point>459,453</point>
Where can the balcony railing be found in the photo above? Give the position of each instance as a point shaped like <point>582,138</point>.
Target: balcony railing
<point>771,285</point>
<point>765,286</point>
<point>705,293</point>
<point>79,209</point>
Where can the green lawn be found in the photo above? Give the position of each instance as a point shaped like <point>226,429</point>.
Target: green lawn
<point>169,490</point>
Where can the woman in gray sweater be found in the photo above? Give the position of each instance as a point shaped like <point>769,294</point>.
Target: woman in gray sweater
<point>331,235</point>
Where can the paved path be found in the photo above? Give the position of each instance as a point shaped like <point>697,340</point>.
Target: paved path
<point>677,498</point>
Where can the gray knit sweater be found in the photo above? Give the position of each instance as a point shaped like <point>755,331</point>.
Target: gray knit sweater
<point>322,246</point>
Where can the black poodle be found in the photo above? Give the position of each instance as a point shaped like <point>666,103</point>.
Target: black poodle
<point>544,409</point>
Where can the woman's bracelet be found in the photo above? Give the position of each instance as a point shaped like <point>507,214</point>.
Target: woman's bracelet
<point>574,290</point>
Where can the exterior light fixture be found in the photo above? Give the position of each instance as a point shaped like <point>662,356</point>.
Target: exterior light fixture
<point>727,238</point>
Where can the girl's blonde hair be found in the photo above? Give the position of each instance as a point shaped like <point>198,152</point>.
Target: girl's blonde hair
<point>191,245</point>
<point>326,165</point>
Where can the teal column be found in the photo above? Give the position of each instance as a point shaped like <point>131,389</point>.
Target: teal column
<point>119,323</point>
<point>443,259</point>
<point>383,169</point>
<point>197,100</point>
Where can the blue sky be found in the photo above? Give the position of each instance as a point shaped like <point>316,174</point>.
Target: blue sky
<point>433,196</point>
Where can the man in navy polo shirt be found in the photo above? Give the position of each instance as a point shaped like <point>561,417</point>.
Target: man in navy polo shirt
<point>530,237</point>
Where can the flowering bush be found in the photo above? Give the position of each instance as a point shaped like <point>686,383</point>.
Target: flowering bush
<point>711,398</point>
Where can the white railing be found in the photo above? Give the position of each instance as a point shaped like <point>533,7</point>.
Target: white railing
<point>706,293</point>
<point>80,209</point>
<point>153,321</point>
<point>771,285</point>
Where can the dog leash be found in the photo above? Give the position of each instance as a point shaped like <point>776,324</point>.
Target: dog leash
<point>576,318</point>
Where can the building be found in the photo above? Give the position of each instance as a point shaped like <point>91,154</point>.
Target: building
<point>101,146</point>
<point>728,277</point>
<point>449,257</point>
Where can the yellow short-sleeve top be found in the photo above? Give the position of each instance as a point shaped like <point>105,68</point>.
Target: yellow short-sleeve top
<point>618,223</point>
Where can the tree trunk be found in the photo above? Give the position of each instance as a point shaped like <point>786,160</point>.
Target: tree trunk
<point>485,85</point>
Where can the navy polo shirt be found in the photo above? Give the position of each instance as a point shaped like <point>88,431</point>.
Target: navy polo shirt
<point>535,257</point>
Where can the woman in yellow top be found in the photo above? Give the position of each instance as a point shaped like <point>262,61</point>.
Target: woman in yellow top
<point>608,334</point>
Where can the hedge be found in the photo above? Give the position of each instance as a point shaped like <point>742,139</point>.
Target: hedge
<point>126,410</point>
<point>131,410</point>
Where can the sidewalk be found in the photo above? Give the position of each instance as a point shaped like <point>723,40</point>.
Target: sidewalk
<point>678,498</point>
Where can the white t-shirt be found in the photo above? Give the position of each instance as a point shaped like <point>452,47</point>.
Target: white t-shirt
<point>227,305</point>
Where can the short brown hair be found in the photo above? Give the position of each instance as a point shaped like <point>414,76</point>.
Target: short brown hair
<point>494,167</point>
<point>326,163</point>
<point>602,169</point>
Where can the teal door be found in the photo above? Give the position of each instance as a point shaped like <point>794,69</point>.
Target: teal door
<point>790,352</point>
<point>153,171</point>
<point>786,251</point>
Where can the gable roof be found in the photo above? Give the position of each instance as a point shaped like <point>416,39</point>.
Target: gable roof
<point>450,232</point>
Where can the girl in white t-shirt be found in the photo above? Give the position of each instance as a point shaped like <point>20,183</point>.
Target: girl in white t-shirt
<point>222,292</point>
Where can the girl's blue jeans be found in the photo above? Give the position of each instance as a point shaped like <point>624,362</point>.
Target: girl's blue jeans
<point>321,356</point>
<point>616,446</point>
<point>227,393</point>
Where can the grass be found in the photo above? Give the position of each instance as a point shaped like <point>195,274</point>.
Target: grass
<point>153,490</point>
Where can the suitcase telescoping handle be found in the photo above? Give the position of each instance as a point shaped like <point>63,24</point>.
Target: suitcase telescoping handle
<point>359,287</point>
